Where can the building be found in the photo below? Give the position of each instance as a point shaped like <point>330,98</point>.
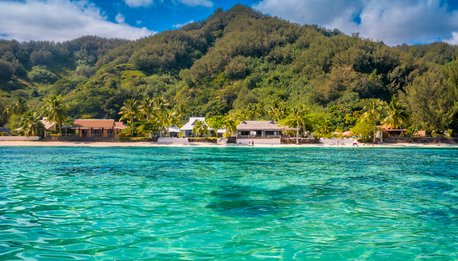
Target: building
<point>186,130</point>
<point>173,131</point>
<point>259,129</point>
<point>264,132</point>
<point>49,127</point>
<point>97,128</point>
<point>220,133</point>
<point>389,132</point>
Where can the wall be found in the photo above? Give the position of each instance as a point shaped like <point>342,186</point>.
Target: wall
<point>168,140</point>
<point>274,141</point>
<point>19,138</point>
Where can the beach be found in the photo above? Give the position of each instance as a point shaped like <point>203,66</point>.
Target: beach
<point>199,144</point>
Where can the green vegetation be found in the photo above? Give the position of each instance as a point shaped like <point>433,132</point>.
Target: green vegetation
<point>236,65</point>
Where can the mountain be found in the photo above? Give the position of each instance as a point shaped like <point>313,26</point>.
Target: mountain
<point>236,61</point>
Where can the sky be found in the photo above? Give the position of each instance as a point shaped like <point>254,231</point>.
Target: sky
<point>391,21</point>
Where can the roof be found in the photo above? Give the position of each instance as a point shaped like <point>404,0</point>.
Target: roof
<point>173,128</point>
<point>94,123</point>
<point>120,125</point>
<point>190,124</point>
<point>47,124</point>
<point>221,131</point>
<point>260,125</point>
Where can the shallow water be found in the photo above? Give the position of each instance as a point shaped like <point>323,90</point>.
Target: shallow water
<point>228,203</point>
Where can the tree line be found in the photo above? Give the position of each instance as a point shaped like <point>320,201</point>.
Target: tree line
<point>239,64</point>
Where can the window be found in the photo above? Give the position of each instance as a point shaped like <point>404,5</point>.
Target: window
<point>96,133</point>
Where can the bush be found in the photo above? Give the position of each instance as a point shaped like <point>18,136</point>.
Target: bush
<point>135,139</point>
<point>203,139</point>
<point>41,74</point>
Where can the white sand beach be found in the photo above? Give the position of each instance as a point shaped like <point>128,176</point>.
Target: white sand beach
<point>152,144</point>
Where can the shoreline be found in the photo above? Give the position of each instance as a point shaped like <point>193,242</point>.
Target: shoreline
<point>151,144</point>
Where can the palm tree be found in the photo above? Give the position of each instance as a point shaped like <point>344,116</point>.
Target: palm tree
<point>276,111</point>
<point>30,124</point>
<point>297,119</point>
<point>18,107</point>
<point>129,111</point>
<point>231,125</point>
<point>161,103</point>
<point>55,110</point>
<point>397,114</point>
<point>167,119</point>
<point>147,108</point>
<point>200,128</point>
<point>373,112</point>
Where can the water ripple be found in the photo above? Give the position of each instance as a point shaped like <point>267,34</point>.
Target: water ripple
<point>228,203</point>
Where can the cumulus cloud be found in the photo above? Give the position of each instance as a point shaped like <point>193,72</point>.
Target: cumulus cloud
<point>454,39</point>
<point>138,3</point>
<point>205,3</point>
<point>60,20</point>
<point>120,19</point>
<point>394,22</point>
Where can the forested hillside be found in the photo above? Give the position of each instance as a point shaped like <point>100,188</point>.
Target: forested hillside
<point>240,64</point>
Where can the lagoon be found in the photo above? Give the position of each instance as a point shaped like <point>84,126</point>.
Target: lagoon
<point>228,203</point>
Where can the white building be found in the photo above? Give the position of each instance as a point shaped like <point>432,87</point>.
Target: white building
<point>186,130</point>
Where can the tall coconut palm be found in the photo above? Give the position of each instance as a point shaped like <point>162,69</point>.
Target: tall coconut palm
<point>297,119</point>
<point>231,125</point>
<point>277,111</point>
<point>30,124</point>
<point>55,110</point>
<point>373,112</point>
<point>167,118</point>
<point>397,114</point>
<point>18,107</point>
<point>200,128</point>
<point>147,108</point>
<point>129,112</point>
<point>161,103</point>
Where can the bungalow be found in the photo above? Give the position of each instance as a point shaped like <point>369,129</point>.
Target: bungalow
<point>220,133</point>
<point>97,128</point>
<point>49,127</point>
<point>267,132</point>
<point>173,131</point>
<point>385,131</point>
<point>186,130</point>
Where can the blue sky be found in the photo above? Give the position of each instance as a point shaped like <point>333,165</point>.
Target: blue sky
<point>392,21</point>
<point>165,15</point>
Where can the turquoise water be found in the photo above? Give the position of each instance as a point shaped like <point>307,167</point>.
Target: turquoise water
<point>228,203</point>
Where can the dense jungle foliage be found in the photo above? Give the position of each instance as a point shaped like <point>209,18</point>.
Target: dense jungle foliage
<point>239,64</point>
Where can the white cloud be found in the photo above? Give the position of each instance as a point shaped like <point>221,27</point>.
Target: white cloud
<point>454,39</point>
<point>60,20</point>
<point>183,24</point>
<point>205,3</point>
<point>120,19</point>
<point>394,22</point>
<point>138,3</point>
